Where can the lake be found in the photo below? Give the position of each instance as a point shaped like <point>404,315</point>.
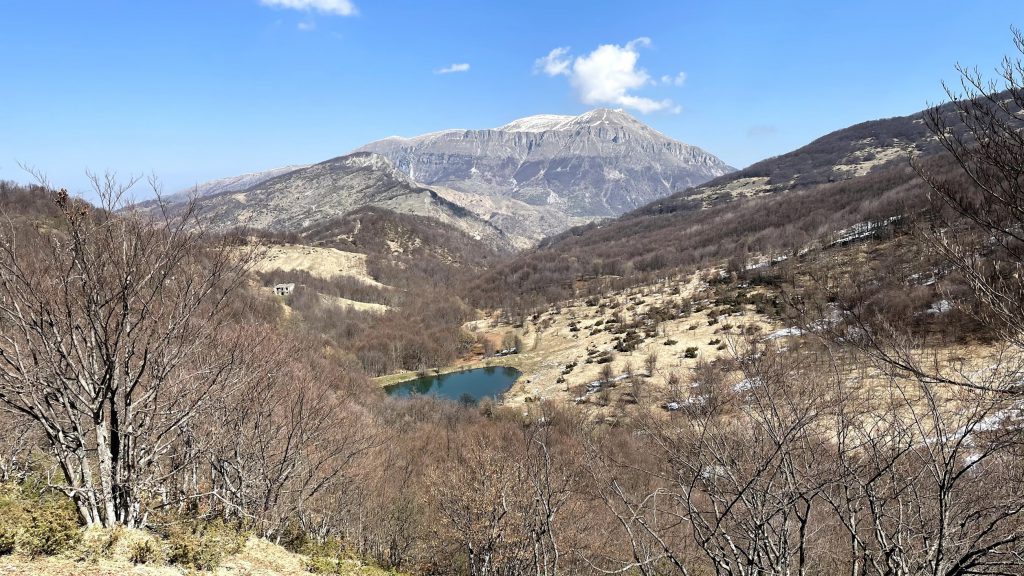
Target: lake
<point>468,386</point>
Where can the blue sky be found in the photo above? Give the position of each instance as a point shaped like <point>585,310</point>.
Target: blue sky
<point>196,89</point>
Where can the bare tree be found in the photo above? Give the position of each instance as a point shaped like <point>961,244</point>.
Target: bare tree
<point>927,479</point>
<point>674,389</point>
<point>979,208</point>
<point>283,440</point>
<point>551,468</point>
<point>114,332</point>
<point>481,501</point>
<point>651,363</point>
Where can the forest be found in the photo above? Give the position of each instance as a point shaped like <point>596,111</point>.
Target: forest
<point>151,386</point>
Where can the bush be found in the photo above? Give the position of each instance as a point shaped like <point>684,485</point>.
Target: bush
<point>203,546</point>
<point>98,543</point>
<point>691,352</point>
<point>322,565</point>
<point>37,524</point>
<point>144,552</point>
<point>186,549</point>
<point>134,545</point>
<point>53,529</point>
<point>324,557</point>
<point>8,541</point>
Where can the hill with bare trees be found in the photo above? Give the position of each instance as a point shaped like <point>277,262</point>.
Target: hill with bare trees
<point>826,377</point>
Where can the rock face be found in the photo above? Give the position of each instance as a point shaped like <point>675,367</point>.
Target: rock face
<point>555,170</point>
<point>510,186</point>
<point>232,183</point>
<point>314,194</point>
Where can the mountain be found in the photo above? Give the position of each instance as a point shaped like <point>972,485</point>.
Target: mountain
<point>841,155</point>
<point>510,186</point>
<point>856,176</point>
<point>540,174</point>
<point>231,183</point>
<point>320,192</point>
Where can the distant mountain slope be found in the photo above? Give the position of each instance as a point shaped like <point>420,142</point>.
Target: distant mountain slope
<point>840,155</point>
<point>382,233</point>
<point>231,183</point>
<point>510,186</point>
<point>555,170</point>
<point>306,196</point>
<point>772,208</point>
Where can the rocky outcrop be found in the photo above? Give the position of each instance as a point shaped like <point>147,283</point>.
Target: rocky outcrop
<point>311,195</point>
<point>555,170</point>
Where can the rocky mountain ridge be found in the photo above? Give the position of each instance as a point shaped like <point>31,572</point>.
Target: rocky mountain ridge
<point>560,170</point>
<point>511,186</point>
<point>320,192</point>
<point>231,183</point>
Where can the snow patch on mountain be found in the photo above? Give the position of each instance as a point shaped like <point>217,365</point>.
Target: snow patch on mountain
<point>538,123</point>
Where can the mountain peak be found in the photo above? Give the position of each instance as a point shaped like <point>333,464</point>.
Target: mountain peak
<point>566,169</point>
<point>536,123</point>
<point>606,114</point>
<point>555,122</point>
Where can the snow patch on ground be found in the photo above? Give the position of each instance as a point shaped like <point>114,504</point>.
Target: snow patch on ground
<point>784,333</point>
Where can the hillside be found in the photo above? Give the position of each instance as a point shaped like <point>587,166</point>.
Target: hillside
<point>229,184</point>
<point>566,345</point>
<point>378,286</point>
<point>312,195</point>
<point>769,210</point>
<point>598,164</point>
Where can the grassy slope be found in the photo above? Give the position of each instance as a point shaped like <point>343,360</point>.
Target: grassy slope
<point>257,558</point>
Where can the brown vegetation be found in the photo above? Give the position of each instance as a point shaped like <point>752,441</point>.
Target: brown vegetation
<point>147,385</point>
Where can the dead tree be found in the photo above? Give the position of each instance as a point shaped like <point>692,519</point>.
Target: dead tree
<point>737,486</point>
<point>928,480</point>
<point>114,333</point>
<point>978,209</point>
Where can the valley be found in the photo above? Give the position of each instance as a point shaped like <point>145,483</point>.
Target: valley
<point>679,322</point>
<point>567,344</point>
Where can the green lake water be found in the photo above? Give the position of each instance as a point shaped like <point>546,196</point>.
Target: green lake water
<point>468,386</point>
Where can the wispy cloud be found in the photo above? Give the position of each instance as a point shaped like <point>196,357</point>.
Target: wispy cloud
<point>608,75</point>
<point>306,26</point>
<point>336,7</point>
<point>452,68</point>
<point>677,80</point>
<point>555,63</point>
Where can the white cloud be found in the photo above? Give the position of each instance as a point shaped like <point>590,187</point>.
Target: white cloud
<point>306,26</point>
<point>677,80</point>
<point>555,63</point>
<point>337,7</point>
<point>462,67</point>
<point>608,75</point>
